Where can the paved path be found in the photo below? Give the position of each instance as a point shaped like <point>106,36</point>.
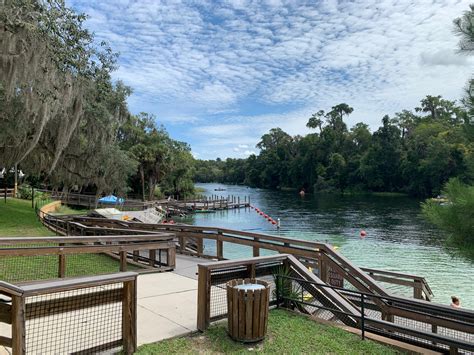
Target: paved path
<point>167,302</point>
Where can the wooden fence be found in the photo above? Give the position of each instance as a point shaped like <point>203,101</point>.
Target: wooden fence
<point>431,326</point>
<point>158,252</point>
<point>210,242</point>
<point>80,315</point>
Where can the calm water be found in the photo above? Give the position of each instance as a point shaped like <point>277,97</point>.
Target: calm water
<point>398,239</point>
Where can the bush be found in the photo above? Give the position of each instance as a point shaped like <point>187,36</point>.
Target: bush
<point>456,215</point>
<point>24,192</point>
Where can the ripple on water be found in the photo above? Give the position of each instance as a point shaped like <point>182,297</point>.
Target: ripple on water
<point>398,239</point>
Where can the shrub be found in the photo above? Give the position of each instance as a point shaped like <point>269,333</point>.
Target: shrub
<point>456,215</point>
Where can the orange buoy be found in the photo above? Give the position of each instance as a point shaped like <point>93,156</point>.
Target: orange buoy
<point>269,219</point>
<point>363,233</point>
<point>274,222</point>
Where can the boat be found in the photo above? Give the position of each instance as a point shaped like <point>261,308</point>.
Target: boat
<point>219,189</point>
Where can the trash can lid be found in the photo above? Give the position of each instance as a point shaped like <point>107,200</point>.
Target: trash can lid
<point>249,287</point>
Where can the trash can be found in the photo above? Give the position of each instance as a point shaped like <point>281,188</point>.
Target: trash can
<point>247,309</point>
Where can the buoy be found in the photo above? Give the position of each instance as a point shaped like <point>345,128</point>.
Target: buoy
<point>269,219</point>
<point>171,222</point>
<point>274,222</point>
<point>335,248</point>
<point>265,215</point>
<point>363,233</point>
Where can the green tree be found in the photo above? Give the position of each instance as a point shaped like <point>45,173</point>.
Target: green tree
<point>456,216</point>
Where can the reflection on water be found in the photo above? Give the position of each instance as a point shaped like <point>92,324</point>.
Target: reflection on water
<point>398,239</point>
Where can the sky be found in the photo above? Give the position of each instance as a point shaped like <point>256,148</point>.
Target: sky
<point>220,74</point>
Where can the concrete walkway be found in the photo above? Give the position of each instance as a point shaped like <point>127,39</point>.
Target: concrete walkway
<point>167,302</point>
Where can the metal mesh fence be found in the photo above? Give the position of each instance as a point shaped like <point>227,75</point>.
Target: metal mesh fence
<point>18,268</point>
<point>87,320</point>
<point>220,277</point>
<point>303,296</point>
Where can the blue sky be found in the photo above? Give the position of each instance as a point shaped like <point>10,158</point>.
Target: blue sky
<point>220,74</point>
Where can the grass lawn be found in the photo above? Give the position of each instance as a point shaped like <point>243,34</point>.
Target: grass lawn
<point>18,219</point>
<point>288,333</point>
<point>61,210</point>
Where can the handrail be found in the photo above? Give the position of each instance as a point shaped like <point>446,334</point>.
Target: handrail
<point>302,248</point>
<point>87,239</point>
<point>431,314</point>
<point>35,289</point>
<point>10,289</point>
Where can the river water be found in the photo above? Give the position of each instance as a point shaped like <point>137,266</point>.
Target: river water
<point>398,239</point>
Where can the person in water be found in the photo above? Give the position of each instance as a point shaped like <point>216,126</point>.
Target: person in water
<point>455,302</point>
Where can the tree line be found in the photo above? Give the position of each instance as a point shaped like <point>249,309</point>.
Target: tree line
<point>415,151</point>
<point>64,121</point>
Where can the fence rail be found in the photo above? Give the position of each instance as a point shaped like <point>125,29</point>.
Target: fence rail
<point>28,259</point>
<point>419,322</point>
<point>332,267</point>
<point>80,315</point>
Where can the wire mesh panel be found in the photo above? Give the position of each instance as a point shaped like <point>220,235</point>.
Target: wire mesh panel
<point>84,320</point>
<point>220,277</point>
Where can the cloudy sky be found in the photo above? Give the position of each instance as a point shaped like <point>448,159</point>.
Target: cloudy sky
<point>219,74</point>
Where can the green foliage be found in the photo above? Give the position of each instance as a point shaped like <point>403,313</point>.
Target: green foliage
<point>412,153</point>
<point>288,333</point>
<point>456,216</point>
<point>162,162</point>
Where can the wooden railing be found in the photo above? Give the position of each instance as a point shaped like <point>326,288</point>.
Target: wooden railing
<point>79,315</point>
<point>422,323</point>
<point>320,256</point>
<point>7,192</point>
<point>125,249</point>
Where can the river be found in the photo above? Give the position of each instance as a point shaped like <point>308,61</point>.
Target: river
<point>398,238</point>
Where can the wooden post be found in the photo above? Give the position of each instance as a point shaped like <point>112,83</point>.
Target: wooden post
<point>136,254</point>
<point>15,186</point>
<point>417,289</point>
<point>251,271</point>
<point>32,197</point>
<point>18,325</point>
<point>123,261</point>
<point>152,255</point>
<point>182,243</point>
<point>200,247</point>
<point>62,266</point>
<point>129,317</point>
<point>204,299</point>
<point>171,257</point>
<point>256,250</point>
<point>323,269</point>
<point>220,247</point>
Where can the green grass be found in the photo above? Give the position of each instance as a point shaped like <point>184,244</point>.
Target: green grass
<point>62,210</point>
<point>288,333</point>
<point>18,219</point>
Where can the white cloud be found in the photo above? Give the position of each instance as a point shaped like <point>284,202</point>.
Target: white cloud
<point>206,65</point>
